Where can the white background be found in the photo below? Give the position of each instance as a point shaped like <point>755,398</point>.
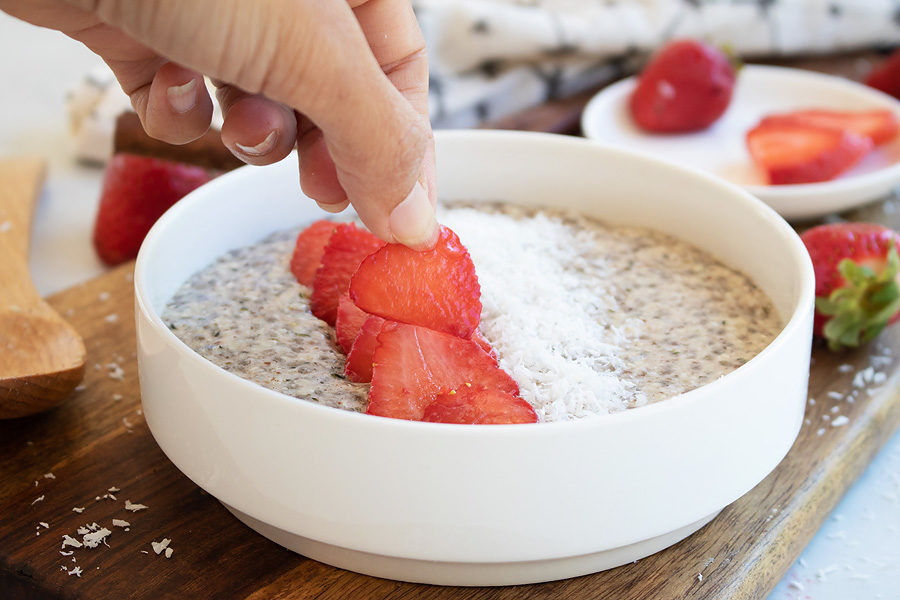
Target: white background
<point>856,554</point>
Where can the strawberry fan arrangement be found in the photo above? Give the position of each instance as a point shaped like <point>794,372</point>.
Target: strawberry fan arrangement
<point>408,323</point>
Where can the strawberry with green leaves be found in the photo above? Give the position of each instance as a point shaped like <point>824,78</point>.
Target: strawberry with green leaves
<point>857,292</point>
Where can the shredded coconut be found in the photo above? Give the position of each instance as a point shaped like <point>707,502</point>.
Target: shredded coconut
<point>78,509</point>
<point>169,552</point>
<point>120,523</point>
<point>49,476</point>
<point>103,297</point>
<point>36,500</point>
<point>839,421</point>
<point>134,507</point>
<point>95,538</point>
<point>160,546</point>
<point>113,318</point>
<point>115,372</point>
<point>5,226</point>
<point>74,571</point>
<point>70,541</point>
<point>113,489</point>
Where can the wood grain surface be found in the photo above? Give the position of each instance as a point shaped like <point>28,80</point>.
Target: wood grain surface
<point>99,440</point>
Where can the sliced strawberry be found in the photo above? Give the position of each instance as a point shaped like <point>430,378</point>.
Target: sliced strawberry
<point>434,288</point>
<point>349,320</point>
<point>886,76</point>
<point>360,357</point>
<point>479,407</point>
<point>792,153</point>
<point>137,190</point>
<point>857,281</point>
<point>880,126</point>
<point>484,344</point>
<point>414,365</point>
<point>309,249</point>
<point>346,249</point>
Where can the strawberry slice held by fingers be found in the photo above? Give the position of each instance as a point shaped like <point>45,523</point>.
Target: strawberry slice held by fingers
<point>361,355</point>
<point>791,153</point>
<point>346,249</point>
<point>309,249</point>
<point>414,367</point>
<point>436,288</point>
<point>350,319</point>
<point>857,282</point>
<point>880,126</point>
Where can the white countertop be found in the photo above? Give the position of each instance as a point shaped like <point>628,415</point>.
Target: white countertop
<point>856,554</point>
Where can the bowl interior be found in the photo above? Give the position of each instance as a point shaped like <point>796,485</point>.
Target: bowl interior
<point>617,186</point>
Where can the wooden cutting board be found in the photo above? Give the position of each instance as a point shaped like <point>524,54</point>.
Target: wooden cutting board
<point>98,441</point>
<point>74,455</point>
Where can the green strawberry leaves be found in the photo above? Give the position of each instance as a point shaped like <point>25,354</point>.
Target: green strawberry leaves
<point>864,306</point>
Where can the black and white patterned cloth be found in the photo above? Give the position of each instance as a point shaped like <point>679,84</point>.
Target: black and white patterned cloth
<point>490,58</point>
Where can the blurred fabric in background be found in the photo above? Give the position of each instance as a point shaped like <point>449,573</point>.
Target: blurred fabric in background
<point>490,58</point>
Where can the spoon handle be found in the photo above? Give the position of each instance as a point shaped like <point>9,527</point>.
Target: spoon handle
<point>21,180</point>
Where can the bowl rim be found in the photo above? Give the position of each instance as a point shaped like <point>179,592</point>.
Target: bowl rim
<point>878,178</point>
<point>794,325</point>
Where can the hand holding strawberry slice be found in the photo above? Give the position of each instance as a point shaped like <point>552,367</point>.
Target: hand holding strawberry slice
<point>857,293</point>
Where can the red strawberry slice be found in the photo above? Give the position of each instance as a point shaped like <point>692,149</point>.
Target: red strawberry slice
<point>346,249</point>
<point>886,76</point>
<point>309,249</point>
<point>857,293</point>
<point>349,320</point>
<point>792,153</point>
<point>414,365</point>
<point>137,190</point>
<point>880,126</point>
<point>434,288</point>
<point>484,344</point>
<point>686,86</point>
<point>479,407</point>
<point>360,357</point>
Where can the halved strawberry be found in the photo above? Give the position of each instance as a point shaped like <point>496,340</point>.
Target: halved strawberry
<point>349,320</point>
<point>880,126</point>
<point>346,249</point>
<point>359,360</point>
<point>857,281</point>
<point>479,407</point>
<point>793,153</point>
<point>414,365</point>
<point>434,288</point>
<point>309,249</point>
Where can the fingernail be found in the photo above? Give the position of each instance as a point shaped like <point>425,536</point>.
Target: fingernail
<point>183,98</point>
<point>412,222</point>
<point>262,148</point>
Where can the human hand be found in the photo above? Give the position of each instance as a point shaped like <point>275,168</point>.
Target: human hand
<point>346,80</point>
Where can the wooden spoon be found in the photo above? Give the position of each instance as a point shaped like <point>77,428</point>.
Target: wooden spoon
<point>41,356</point>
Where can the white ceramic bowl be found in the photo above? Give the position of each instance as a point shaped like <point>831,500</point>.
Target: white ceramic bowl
<point>721,149</point>
<point>479,505</point>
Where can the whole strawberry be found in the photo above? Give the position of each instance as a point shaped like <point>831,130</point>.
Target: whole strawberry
<point>137,190</point>
<point>686,86</point>
<point>857,293</point>
<point>886,76</point>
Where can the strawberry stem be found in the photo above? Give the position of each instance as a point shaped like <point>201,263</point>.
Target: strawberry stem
<point>861,308</point>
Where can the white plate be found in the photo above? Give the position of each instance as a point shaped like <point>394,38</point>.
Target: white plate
<point>721,149</point>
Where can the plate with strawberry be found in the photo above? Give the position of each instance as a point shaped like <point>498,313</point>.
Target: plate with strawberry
<point>805,143</point>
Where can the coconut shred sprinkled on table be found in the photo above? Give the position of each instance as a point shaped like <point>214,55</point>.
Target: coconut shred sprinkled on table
<point>589,319</point>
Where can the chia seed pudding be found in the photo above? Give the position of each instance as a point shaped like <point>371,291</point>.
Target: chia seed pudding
<point>588,318</point>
